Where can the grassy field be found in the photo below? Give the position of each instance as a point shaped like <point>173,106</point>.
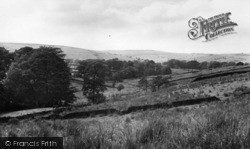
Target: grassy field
<point>224,124</point>
<point>221,124</point>
<point>222,87</point>
<point>111,94</point>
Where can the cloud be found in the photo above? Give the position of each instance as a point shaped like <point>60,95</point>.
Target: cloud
<point>150,24</point>
<point>113,13</point>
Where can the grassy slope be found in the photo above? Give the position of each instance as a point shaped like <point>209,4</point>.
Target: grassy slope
<point>223,124</point>
<point>221,87</point>
<point>218,125</point>
<point>160,56</point>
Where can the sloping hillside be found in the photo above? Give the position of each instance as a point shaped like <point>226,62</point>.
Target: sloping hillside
<point>160,56</point>
<point>71,52</point>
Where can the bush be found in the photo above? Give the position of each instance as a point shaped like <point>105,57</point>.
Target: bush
<point>120,87</point>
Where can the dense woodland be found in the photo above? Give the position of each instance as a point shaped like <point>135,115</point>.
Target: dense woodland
<point>41,77</point>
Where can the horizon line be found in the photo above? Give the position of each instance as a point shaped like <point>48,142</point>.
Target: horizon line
<point>122,49</point>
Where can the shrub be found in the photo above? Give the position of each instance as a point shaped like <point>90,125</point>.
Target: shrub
<point>120,87</point>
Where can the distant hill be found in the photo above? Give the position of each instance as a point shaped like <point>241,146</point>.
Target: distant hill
<point>158,56</point>
<point>71,52</point>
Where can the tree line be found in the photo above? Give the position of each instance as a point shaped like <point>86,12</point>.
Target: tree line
<point>193,64</point>
<point>127,69</point>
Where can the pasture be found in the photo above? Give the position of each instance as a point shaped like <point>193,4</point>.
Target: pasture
<point>222,123</point>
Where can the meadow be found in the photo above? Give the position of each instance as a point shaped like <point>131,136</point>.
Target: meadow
<point>223,87</point>
<point>223,124</point>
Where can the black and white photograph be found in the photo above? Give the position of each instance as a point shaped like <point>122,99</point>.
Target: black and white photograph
<point>120,74</point>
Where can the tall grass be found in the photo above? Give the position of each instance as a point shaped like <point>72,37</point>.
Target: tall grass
<point>221,125</point>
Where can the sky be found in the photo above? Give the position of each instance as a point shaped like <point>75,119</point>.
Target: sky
<point>122,24</point>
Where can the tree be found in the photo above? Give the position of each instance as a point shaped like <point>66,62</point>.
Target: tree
<point>158,69</point>
<point>203,65</point>
<point>157,82</point>
<point>40,78</point>
<point>231,64</point>
<point>240,64</point>
<point>23,53</point>
<point>5,61</point>
<point>4,100</point>
<point>140,67</point>
<point>173,63</point>
<point>94,74</point>
<point>115,64</point>
<point>214,64</point>
<point>193,64</point>
<point>129,63</point>
<point>150,67</point>
<point>129,72</point>
<point>143,83</point>
<point>166,70</point>
<point>170,63</point>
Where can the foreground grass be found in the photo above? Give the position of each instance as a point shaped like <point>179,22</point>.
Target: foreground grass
<point>216,125</point>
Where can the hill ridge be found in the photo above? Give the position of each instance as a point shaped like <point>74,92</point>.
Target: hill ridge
<point>137,54</point>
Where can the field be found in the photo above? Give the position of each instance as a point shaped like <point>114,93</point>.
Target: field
<point>217,84</point>
<point>216,125</point>
<point>130,86</point>
<point>205,109</point>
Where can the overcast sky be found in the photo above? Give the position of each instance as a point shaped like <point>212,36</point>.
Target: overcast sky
<point>122,24</point>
